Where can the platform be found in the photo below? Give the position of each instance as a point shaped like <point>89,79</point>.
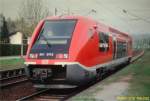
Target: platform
<point>124,85</point>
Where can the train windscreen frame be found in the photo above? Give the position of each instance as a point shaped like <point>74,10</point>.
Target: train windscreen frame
<point>54,39</point>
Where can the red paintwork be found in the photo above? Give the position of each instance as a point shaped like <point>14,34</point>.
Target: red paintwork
<point>83,48</point>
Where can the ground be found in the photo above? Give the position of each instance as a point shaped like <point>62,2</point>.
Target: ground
<point>132,83</point>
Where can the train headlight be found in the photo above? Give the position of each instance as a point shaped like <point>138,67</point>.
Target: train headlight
<point>61,56</point>
<point>65,56</point>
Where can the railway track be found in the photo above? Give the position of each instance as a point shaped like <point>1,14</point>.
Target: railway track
<point>12,77</point>
<point>54,94</point>
<point>48,94</point>
<point>9,74</point>
<point>12,83</point>
<point>137,55</point>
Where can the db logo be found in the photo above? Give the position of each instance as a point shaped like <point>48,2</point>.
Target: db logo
<point>44,61</point>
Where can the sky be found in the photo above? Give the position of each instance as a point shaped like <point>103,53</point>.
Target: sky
<point>131,16</point>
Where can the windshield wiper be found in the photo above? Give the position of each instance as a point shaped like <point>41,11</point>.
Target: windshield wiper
<point>48,44</point>
<point>45,39</point>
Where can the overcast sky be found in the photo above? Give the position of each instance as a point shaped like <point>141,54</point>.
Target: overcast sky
<point>132,16</point>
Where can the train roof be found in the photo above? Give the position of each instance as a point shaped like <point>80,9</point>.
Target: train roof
<point>68,17</point>
<point>119,32</point>
<point>89,19</point>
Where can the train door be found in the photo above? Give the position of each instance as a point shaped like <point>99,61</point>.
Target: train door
<point>103,42</point>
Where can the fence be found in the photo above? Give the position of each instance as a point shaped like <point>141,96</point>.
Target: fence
<point>12,49</point>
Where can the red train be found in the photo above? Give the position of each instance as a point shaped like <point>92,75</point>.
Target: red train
<point>74,50</point>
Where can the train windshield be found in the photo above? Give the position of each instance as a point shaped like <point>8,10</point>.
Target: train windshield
<point>54,38</point>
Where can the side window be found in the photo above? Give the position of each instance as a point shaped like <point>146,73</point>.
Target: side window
<point>121,49</point>
<point>103,42</point>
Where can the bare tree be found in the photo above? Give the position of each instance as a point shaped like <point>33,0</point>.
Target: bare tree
<point>30,13</point>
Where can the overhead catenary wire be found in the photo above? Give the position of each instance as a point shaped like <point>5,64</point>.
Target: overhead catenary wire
<point>136,16</point>
<point>113,12</point>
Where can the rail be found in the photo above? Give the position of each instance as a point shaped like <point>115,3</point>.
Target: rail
<point>137,56</point>
<point>9,74</point>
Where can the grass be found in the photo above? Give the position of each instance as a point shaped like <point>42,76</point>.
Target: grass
<point>11,63</point>
<point>140,71</point>
<point>139,85</point>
